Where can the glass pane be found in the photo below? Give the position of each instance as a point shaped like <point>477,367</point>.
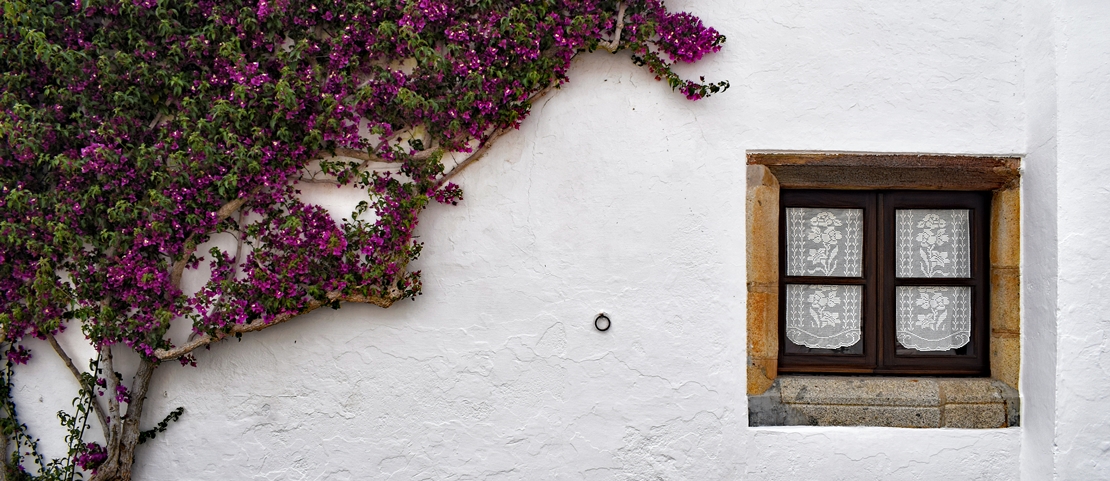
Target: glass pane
<point>933,243</point>
<point>933,318</point>
<point>824,242</point>
<point>823,317</point>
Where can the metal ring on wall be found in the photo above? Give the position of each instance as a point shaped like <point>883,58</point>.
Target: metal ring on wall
<point>602,322</point>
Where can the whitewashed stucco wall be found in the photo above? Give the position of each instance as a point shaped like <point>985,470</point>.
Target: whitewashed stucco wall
<point>1083,181</point>
<point>617,195</point>
<point>1040,265</point>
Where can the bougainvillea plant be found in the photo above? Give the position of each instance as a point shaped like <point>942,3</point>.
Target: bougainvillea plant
<point>133,131</point>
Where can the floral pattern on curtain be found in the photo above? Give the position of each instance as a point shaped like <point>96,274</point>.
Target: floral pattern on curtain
<point>823,316</point>
<point>824,242</point>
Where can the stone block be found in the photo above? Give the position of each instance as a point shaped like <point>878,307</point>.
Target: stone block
<point>762,277</point>
<point>1006,228</point>
<point>869,391</point>
<point>892,402</point>
<point>890,416</point>
<point>969,391</point>
<point>1006,358</point>
<point>766,408</point>
<point>762,226</point>
<point>761,375</point>
<point>763,332</point>
<point>975,416</point>
<point>1006,300</point>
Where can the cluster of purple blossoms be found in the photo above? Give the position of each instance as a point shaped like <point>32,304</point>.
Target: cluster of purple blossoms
<point>132,132</point>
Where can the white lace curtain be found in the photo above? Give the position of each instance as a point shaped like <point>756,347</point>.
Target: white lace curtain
<point>933,318</point>
<point>823,316</point>
<point>933,243</point>
<point>824,242</point>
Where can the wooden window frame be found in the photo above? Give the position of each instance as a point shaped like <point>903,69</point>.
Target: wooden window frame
<point>878,351</point>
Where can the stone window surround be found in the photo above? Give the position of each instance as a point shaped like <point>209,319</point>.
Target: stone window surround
<point>768,171</point>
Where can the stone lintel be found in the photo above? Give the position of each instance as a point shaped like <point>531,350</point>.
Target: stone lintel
<point>876,171</point>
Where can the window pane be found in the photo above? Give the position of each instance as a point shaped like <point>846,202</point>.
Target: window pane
<point>933,243</point>
<point>823,317</point>
<point>933,318</point>
<point>824,242</point>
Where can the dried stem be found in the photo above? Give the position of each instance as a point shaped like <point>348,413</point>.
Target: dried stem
<point>4,453</point>
<point>80,381</point>
<point>367,157</point>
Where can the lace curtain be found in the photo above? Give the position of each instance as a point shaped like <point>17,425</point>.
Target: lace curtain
<point>933,243</point>
<point>823,316</point>
<point>824,242</point>
<point>933,318</point>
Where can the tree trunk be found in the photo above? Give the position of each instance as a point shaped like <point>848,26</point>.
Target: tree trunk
<point>121,448</point>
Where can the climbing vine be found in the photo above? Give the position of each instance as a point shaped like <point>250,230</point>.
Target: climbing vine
<point>132,132</point>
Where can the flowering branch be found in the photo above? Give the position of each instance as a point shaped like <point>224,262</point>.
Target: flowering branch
<point>487,142</point>
<point>132,130</point>
<point>222,214</point>
<point>259,324</point>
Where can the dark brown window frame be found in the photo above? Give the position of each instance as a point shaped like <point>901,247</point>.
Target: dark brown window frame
<point>879,353</point>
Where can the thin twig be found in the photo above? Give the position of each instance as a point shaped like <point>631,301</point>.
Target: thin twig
<point>614,45</point>
<point>155,121</point>
<point>225,211</point>
<point>80,381</point>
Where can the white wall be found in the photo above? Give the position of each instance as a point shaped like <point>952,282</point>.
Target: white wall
<point>1083,367</point>
<point>1039,256</point>
<point>620,196</point>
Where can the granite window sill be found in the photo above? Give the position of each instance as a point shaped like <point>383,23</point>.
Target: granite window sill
<point>908,402</point>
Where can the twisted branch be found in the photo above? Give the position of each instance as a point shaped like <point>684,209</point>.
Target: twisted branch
<point>112,435</point>
<point>614,45</point>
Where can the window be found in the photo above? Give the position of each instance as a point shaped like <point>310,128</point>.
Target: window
<point>885,390</point>
<point>891,282</point>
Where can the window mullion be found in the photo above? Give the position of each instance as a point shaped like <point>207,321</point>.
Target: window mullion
<point>879,271</point>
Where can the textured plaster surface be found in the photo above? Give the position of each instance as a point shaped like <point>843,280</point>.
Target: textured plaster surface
<point>1040,273</point>
<point>617,196</point>
<point>1083,369</point>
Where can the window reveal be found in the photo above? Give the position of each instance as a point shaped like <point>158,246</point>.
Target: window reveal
<point>883,281</point>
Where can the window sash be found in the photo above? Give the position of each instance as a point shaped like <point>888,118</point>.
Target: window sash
<point>878,349</point>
